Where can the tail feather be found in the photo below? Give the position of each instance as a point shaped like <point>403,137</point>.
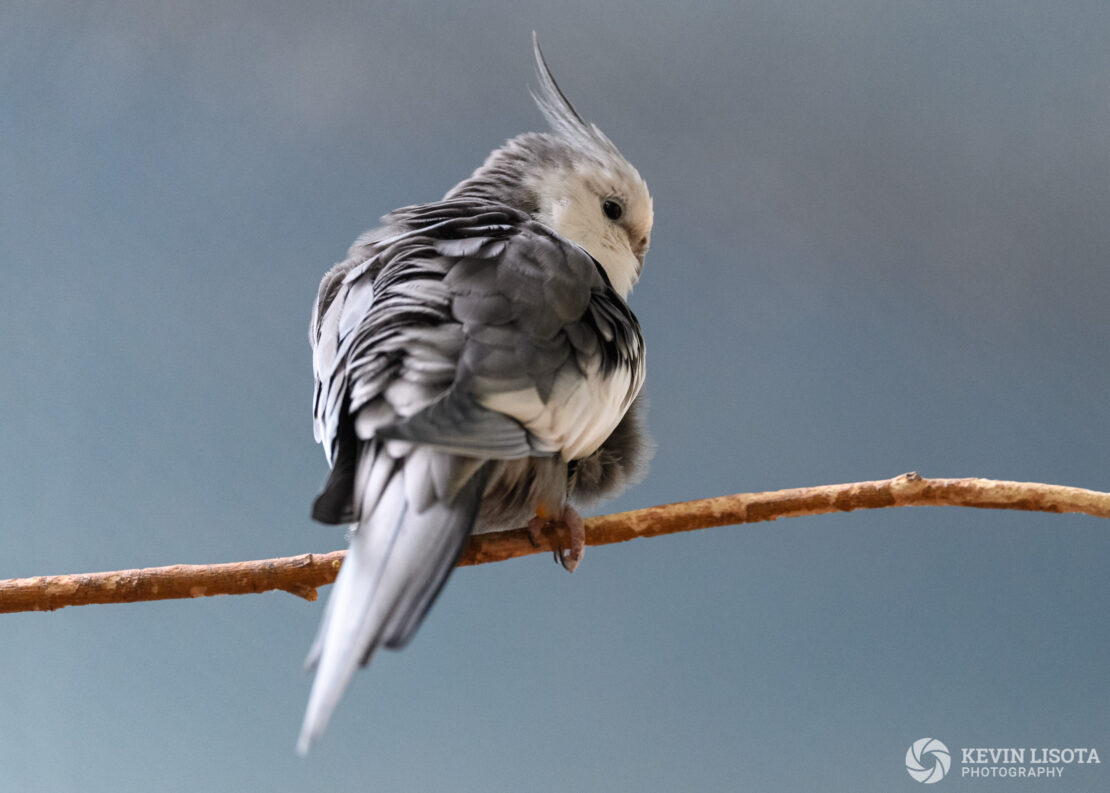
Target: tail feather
<point>398,561</point>
<point>404,622</point>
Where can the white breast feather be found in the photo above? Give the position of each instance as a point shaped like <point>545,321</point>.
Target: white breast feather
<point>579,415</point>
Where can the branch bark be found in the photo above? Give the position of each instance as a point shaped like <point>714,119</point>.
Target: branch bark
<point>301,575</point>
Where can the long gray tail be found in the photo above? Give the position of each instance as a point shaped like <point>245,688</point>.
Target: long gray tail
<point>416,514</point>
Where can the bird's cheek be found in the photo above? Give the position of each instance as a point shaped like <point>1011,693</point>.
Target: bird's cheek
<point>615,240</point>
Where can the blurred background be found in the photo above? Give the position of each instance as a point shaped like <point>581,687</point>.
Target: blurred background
<point>882,243</point>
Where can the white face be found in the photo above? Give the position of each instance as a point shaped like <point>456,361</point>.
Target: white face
<point>606,211</point>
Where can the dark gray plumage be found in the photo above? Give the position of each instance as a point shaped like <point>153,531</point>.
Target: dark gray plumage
<point>475,365</point>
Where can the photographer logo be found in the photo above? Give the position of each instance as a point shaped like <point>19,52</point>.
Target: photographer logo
<point>928,760</point>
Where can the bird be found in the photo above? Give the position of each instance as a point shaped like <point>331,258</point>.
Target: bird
<point>477,368</point>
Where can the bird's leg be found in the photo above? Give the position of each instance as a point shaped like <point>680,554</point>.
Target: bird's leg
<point>535,526</point>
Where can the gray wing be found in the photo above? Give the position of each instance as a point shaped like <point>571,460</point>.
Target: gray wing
<point>545,342</point>
<point>475,330</point>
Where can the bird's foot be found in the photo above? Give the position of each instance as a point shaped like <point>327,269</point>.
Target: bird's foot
<point>535,527</point>
<point>570,518</point>
<point>569,559</point>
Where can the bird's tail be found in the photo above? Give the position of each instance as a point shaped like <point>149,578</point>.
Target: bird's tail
<point>416,514</point>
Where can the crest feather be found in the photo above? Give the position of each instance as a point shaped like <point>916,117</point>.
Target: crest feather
<point>561,115</point>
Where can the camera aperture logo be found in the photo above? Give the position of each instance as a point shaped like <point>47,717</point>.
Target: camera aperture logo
<point>928,760</point>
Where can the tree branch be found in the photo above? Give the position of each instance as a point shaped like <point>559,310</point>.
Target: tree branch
<point>301,575</point>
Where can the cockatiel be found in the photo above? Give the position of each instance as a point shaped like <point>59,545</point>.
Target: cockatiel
<point>477,368</point>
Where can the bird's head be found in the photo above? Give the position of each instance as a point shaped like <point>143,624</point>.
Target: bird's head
<point>575,181</point>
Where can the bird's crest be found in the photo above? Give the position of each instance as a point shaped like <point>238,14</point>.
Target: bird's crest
<point>561,115</point>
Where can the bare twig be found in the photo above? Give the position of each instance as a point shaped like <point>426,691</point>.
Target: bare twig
<point>301,575</point>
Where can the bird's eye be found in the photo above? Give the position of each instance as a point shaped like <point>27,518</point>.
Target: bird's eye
<point>612,209</point>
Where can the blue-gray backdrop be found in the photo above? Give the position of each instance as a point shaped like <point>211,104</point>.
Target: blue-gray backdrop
<point>882,243</point>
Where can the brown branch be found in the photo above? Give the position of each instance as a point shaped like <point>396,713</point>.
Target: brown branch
<point>301,575</point>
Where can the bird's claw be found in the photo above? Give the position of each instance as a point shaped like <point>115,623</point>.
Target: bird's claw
<point>569,559</point>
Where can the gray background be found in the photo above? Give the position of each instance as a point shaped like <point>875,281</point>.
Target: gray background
<point>881,244</point>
